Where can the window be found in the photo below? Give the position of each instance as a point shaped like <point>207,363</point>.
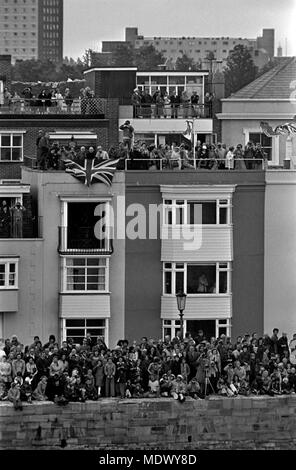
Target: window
<point>170,328</point>
<point>85,274</point>
<point>196,278</point>
<point>86,226</point>
<point>78,328</point>
<point>8,274</point>
<point>180,212</point>
<point>11,147</point>
<point>265,141</point>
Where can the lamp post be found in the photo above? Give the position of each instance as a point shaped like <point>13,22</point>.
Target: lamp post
<point>181,303</point>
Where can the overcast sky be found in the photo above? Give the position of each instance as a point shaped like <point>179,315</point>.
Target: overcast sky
<point>88,22</point>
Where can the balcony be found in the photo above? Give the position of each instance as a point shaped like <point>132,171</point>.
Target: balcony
<point>84,243</point>
<point>81,107</point>
<point>171,111</point>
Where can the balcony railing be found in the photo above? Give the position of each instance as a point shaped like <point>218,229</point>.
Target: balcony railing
<point>79,106</point>
<point>82,243</point>
<point>171,111</point>
<point>159,164</point>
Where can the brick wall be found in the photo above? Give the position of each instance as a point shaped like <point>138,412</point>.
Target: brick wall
<point>239,423</point>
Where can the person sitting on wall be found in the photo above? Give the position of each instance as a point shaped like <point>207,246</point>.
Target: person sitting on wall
<point>14,396</point>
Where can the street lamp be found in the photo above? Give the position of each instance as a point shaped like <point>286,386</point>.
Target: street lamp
<point>181,303</point>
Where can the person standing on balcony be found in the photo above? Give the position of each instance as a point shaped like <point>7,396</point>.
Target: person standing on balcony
<point>68,100</point>
<point>185,101</point>
<point>159,102</point>
<point>175,103</point>
<point>167,103</point>
<point>42,150</point>
<point>146,101</point>
<point>229,161</point>
<point>136,102</point>
<point>194,104</point>
<point>17,212</point>
<point>4,220</point>
<point>27,93</point>
<point>101,154</point>
<point>128,136</point>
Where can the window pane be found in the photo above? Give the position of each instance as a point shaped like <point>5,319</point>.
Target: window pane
<point>143,80</point>
<point>223,282</point>
<point>159,80</point>
<point>5,140</point>
<point>167,332</point>
<point>266,141</point>
<point>12,279</point>
<point>201,279</point>
<point>194,214</point>
<point>179,282</point>
<point>16,154</point>
<point>17,141</point>
<point>223,215</point>
<point>96,331</point>
<point>223,331</point>
<point>177,80</point>
<point>179,215</point>
<point>95,323</point>
<point>75,323</point>
<point>168,265</point>
<point>209,213</point>
<point>5,154</point>
<point>96,262</point>
<point>77,332</point>
<point>167,322</point>
<point>168,283</point>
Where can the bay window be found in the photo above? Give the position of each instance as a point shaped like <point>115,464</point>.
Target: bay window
<point>85,274</point>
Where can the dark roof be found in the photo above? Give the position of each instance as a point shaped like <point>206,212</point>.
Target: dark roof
<point>274,84</point>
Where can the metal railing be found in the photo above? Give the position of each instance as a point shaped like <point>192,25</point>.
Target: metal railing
<point>77,106</point>
<point>160,164</point>
<point>171,111</point>
<point>81,243</point>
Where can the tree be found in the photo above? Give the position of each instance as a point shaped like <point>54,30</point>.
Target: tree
<point>240,69</point>
<point>186,64</point>
<point>124,56</point>
<point>46,71</point>
<point>148,58</point>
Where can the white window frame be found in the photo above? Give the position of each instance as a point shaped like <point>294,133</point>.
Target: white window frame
<point>223,323</point>
<point>64,220</point>
<point>173,270</point>
<point>172,324</point>
<point>173,208</point>
<point>7,262</point>
<point>64,327</point>
<point>12,134</point>
<point>275,152</point>
<point>65,290</point>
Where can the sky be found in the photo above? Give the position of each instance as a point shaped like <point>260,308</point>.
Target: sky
<point>88,22</point>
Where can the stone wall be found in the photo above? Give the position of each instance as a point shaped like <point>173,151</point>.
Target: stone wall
<point>238,423</point>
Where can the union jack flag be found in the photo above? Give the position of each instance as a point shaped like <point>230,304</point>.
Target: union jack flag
<point>92,173</point>
<point>283,129</point>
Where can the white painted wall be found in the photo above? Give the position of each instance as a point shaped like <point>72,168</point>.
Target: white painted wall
<point>280,252</point>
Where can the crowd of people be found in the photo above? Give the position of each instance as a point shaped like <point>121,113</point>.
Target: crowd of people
<point>138,155</point>
<point>173,367</point>
<point>204,156</point>
<point>161,104</point>
<point>51,155</point>
<point>50,100</point>
<point>11,219</point>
